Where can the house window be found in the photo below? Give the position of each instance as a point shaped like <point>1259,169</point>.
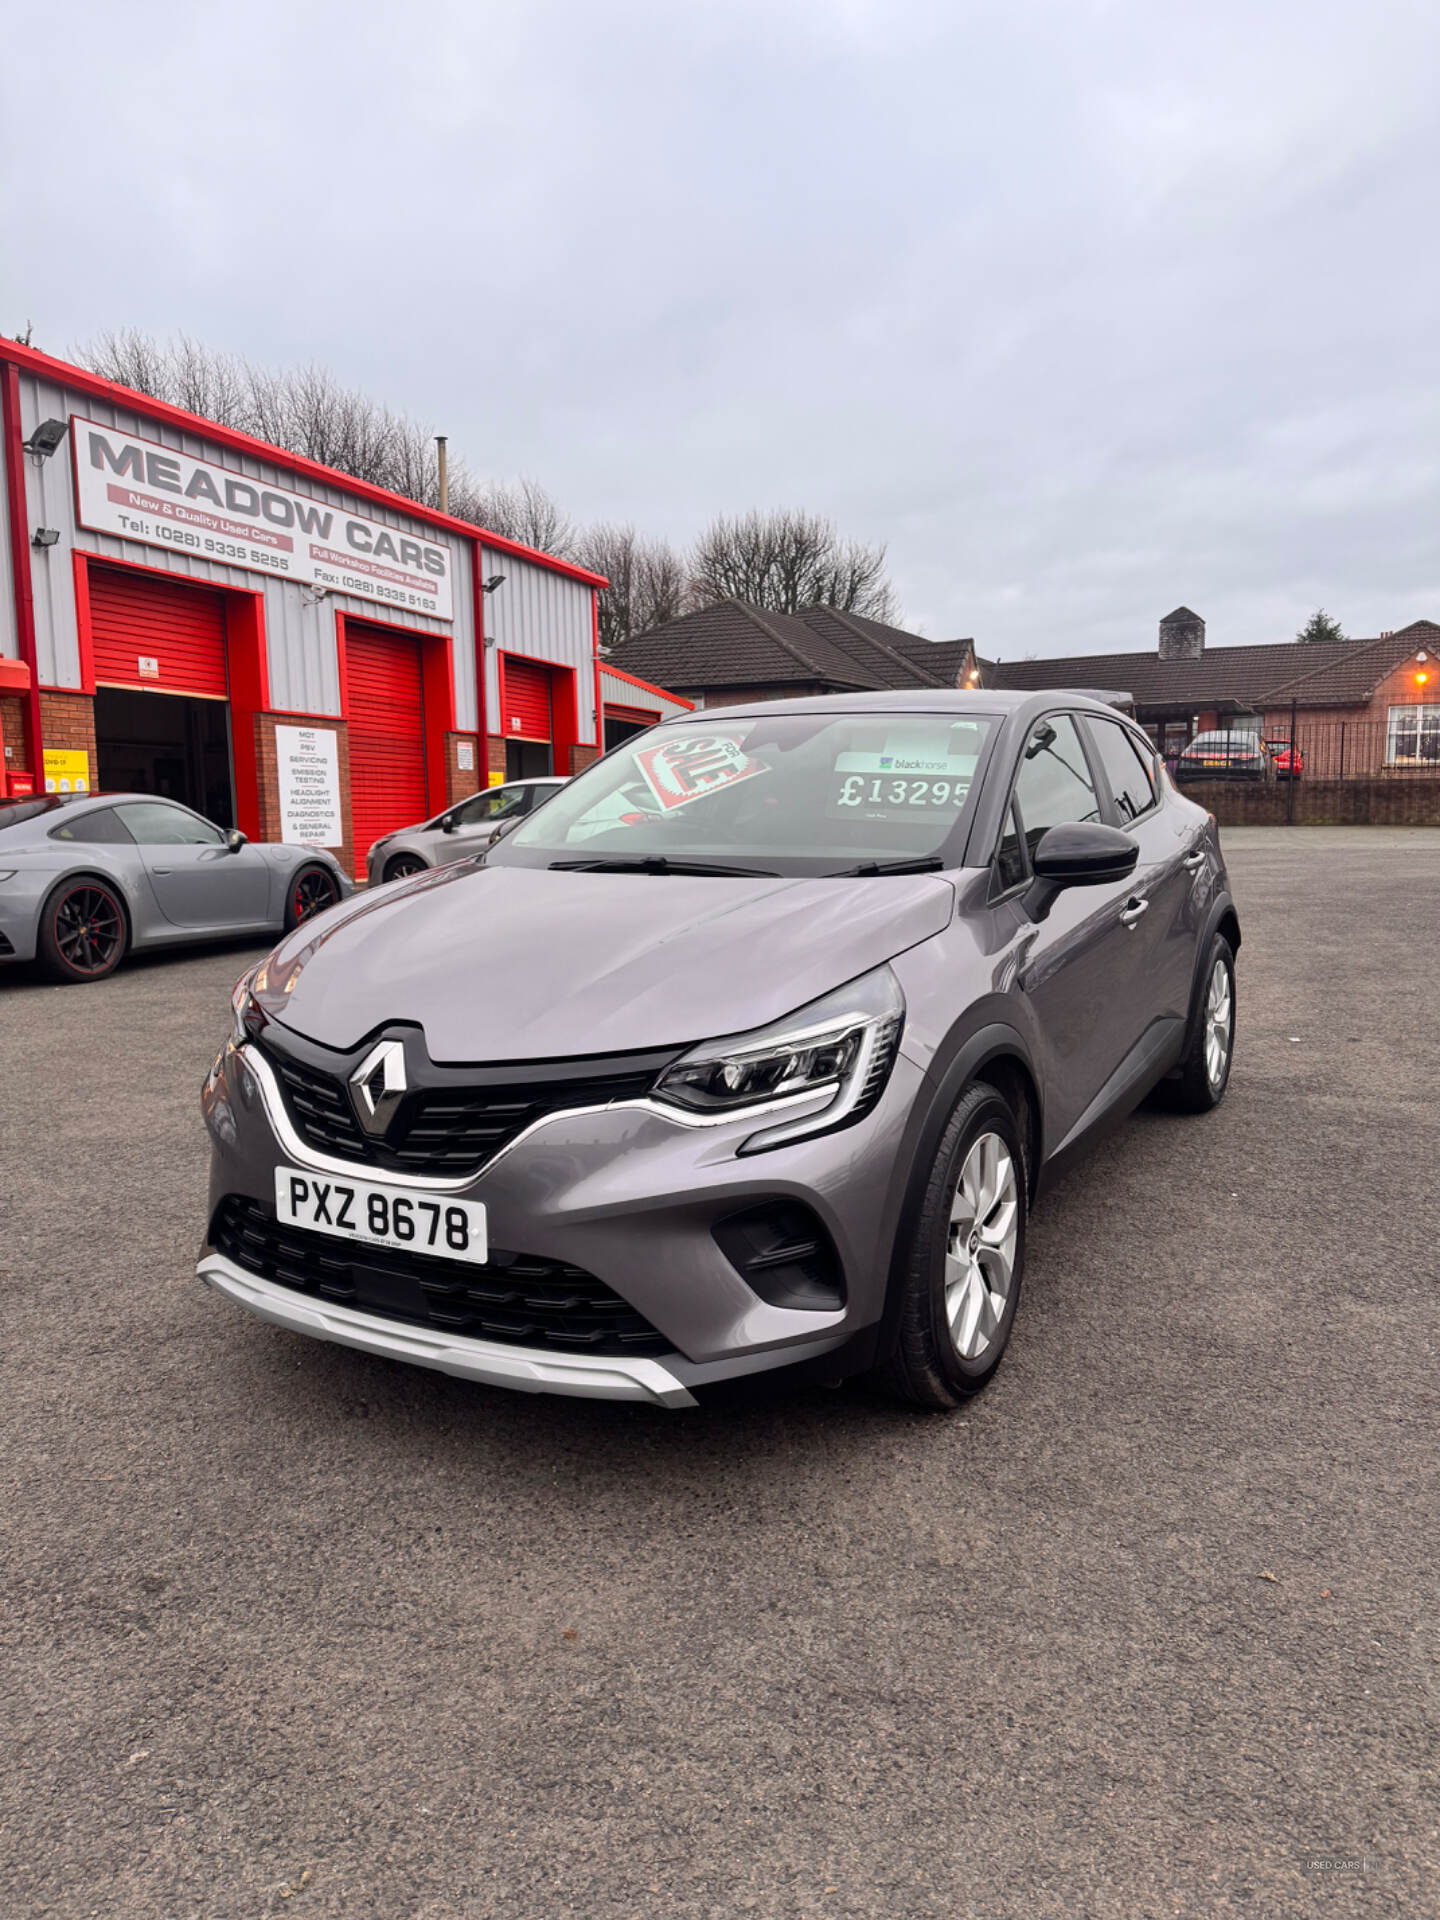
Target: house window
<point>1413,737</point>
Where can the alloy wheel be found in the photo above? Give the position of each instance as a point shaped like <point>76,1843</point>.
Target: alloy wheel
<point>403,865</point>
<point>1219,1023</point>
<point>980,1251</point>
<point>89,930</point>
<point>314,891</point>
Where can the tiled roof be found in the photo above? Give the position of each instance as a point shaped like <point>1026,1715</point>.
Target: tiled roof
<point>1311,672</point>
<point>733,645</point>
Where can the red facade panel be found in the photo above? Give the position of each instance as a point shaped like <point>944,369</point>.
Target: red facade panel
<point>139,618</point>
<point>525,700</point>
<point>386,711</point>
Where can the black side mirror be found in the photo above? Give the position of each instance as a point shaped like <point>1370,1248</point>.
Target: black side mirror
<point>234,840</point>
<point>1078,853</point>
<point>447,825</point>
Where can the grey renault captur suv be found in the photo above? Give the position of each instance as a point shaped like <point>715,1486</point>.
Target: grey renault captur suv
<point>750,1050</point>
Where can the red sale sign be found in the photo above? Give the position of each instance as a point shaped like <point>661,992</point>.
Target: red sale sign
<point>688,768</point>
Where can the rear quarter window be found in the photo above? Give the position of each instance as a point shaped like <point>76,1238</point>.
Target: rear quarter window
<point>101,828</point>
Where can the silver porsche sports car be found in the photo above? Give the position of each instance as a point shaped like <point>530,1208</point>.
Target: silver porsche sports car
<point>470,826</point>
<point>86,878</point>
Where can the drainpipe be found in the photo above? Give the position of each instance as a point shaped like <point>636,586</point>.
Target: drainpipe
<point>20,564</point>
<point>444,473</point>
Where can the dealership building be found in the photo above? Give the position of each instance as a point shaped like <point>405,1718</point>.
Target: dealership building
<point>187,611</point>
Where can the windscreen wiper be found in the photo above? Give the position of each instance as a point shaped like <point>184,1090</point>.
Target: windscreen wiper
<point>926,863</point>
<point>657,863</point>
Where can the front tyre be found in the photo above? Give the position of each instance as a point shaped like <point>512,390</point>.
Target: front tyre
<point>401,866</point>
<point>83,933</point>
<point>312,890</point>
<point>964,1259</point>
<point>1200,1080</point>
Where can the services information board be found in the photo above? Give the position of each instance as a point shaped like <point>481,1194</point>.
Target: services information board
<point>309,771</point>
<point>139,491</point>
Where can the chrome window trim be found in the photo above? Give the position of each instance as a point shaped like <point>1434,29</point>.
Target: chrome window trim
<point>298,1149</point>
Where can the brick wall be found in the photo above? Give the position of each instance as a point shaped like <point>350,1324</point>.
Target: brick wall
<point>460,782</point>
<point>582,757</point>
<point>268,777</point>
<point>67,723</point>
<point>495,754</point>
<point>12,732</point>
<point>1321,803</point>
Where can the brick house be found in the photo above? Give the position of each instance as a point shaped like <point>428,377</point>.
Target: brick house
<point>730,653</point>
<point>1358,706</point>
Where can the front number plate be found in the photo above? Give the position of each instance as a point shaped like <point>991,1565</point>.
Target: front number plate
<point>383,1216</point>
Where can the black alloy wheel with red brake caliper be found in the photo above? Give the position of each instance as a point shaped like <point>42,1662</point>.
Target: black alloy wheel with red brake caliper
<point>83,934</point>
<point>311,892</point>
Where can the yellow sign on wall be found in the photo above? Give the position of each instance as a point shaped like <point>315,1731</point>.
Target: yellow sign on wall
<point>497,780</point>
<point>67,771</point>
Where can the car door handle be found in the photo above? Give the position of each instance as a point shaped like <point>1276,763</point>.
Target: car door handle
<point>1193,860</point>
<point>1133,909</point>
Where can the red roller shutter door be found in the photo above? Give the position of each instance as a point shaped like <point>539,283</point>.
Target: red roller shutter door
<point>135,617</point>
<point>527,701</point>
<point>387,735</point>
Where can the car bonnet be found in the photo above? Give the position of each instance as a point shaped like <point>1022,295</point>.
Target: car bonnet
<point>515,963</point>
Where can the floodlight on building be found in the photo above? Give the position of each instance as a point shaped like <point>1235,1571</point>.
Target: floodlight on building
<point>46,438</point>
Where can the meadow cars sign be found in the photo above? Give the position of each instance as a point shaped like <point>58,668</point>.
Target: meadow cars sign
<point>137,490</point>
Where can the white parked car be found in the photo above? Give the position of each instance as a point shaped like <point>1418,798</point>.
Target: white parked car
<point>470,826</point>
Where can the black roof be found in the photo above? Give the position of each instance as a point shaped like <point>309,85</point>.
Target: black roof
<point>1314,673</point>
<point>734,645</point>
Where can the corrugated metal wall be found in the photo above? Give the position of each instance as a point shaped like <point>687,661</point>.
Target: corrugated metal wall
<point>545,615</point>
<point>615,691</point>
<point>300,634</point>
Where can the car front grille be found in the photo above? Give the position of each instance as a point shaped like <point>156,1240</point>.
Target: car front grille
<point>516,1298</point>
<point>447,1130</point>
<point>6,946</point>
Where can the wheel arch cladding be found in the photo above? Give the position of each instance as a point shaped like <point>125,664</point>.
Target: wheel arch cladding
<point>992,1053</point>
<point>1010,1075</point>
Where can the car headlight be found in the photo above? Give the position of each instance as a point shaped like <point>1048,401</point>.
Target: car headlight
<point>829,1062</point>
<point>249,1017</point>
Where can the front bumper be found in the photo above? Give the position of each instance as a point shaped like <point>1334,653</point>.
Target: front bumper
<point>601,1377</point>
<point>627,1195</point>
<point>21,899</point>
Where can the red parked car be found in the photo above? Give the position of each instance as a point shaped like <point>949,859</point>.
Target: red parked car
<point>1283,754</point>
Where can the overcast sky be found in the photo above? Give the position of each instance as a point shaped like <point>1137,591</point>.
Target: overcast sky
<point>1085,307</point>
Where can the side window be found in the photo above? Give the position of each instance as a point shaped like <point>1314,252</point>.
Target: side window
<point>154,823</point>
<point>1127,773</point>
<point>99,828</point>
<point>1010,866</point>
<point>1053,785</point>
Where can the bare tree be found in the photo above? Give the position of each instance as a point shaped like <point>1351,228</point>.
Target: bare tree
<point>786,561</point>
<point>304,410</point>
<point>649,581</point>
<point>517,510</point>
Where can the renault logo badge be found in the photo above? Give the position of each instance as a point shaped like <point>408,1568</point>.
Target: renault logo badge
<point>378,1084</point>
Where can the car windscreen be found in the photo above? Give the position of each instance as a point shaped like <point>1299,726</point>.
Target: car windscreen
<point>793,793</point>
<point>1233,742</point>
